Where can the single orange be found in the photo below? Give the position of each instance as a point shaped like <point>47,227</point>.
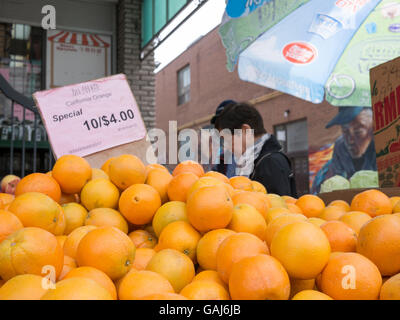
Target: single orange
<point>241,183</point>
<point>179,186</point>
<point>259,187</point>
<point>271,283</point>
<point>293,208</point>
<point>279,222</point>
<point>205,290</point>
<point>308,246</point>
<point>340,203</point>
<point>246,218</point>
<point>208,245</point>
<point>139,203</point>
<point>107,249</point>
<point>217,175</point>
<point>152,166</point>
<point>355,220</point>
<point>289,199</point>
<point>351,276</point>
<point>142,258</point>
<point>143,239</point>
<point>332,213</point>
<point>394,200</point>
<point>390,289</point>
<point>276,201</point>
<point>258,200</point>
<point>372,202</point>
<point>68,198</point>
<point>236,247</point>
<point>159,179</point>
<point>39,182</point>
<point>23,287</point>
<point>9,223</point>
<point>71,172</point>
<point>102,217</point>
<point>209,208</point>
<point>189,166</point>
<point>379,241</point>
<point>204,182</point>
<point>316,221</point>
<point>99,193</point>
<point>106,166</point>
<point>126,170</point>
<point>5,200</point>
<point>72,242</point>
<point>29,250</point>
<point>167,213</point>
<point>311,205</point>
<point>75,215</point>
<point>99,174</point>
<point>341,237</point>
<point>297,286</point>
<point>275,212</point>
<point>210,275</point>
<point>311,295</point>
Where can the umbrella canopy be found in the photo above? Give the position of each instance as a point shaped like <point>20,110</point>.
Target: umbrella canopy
<point>312,49</point>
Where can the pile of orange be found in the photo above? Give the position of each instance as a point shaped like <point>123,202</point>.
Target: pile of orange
<point>131,231</point>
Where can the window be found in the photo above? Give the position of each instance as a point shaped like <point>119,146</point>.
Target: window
<point>184,85</point>
<point>293,136</point>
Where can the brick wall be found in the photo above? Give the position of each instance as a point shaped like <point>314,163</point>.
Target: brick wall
<point>140,74</point>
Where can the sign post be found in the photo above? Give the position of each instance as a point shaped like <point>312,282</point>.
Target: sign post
<point>96,120</point>
<point>385,94</point>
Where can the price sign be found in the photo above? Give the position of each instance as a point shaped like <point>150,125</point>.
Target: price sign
<point>89,117</point>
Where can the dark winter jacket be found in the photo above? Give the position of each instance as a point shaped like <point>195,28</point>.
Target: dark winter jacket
<point>273,169</point>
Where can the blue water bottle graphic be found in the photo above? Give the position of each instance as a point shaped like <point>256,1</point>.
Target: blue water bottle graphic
<point>371,27</point>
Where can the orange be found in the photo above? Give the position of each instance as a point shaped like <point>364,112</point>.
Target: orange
<point>351,276</point>
<point>208,245</point>
<point>164,296</point>
<point>308,246</point>
<point>102,217</point>
<point>69,264</point>
<point>143,239</point>
<point>75,215</point>
<point>68,198</point>
<point>99,193</point>
<point>5,200</point>
<point>258,187</point>
<point>77,289</point>
<point>372,202</point>
<point>94,274</point>
<point>379,241</point>
<point>189,166</point>
<point>355,220</point>
<point>257,200</point>
<point>297,286</point>
<point>167,213</point>
<point>341,237</point>
<point>152,166</point>
<point>274,213</point>
<point>142,258</point>
<point>139,284</point>
<point>276,201</point>
<point>278,223</point>
<point>179,186</point>
<point>396,208</point>
<point>209,275</point>
<point>107,249</point>
<point>175,266</point>
<point>332,213</point>
<point>293,208</point>
<point>9,223</point>
<point>126,170</point>
<point>36,209</point>
<point>241,183</point>
<point>139,203</point>
<point>205,290</point>
<point>71,172</point>
<point>23,287</point>
<point>72,242</point>
<point>61,240</point>
<point>311,205</point>
<point>39,182</point>
<point>99,174</point>
<point>181,236</point>
<point>106,166</point>
<point>236,247</point>
<point>28,250</point>
<point>204,182</point>
<point>159,179</point>
<point>341,204</point>
<point>316,221</point>
<point>390,289</point>
<point>271,283</point>
<point>217,175</point>
<point>289,199</point>
<point>209,208</point>
<point>394,201</point>
<point>246,218</point>
<point>311,295</point>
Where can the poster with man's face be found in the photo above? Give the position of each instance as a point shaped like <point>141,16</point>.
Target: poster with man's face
<point>352,151</point>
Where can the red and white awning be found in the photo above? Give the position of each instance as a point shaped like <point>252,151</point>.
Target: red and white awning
<point>84,39</point>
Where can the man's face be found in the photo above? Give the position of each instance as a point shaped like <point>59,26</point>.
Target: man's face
<point>358,134</point>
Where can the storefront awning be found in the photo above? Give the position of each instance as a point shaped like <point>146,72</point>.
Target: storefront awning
<point>84,39</point>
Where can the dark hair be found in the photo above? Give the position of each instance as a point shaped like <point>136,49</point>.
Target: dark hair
<point>236,115</point>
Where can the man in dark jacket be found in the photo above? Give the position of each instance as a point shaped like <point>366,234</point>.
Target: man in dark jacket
<point>271,166</point>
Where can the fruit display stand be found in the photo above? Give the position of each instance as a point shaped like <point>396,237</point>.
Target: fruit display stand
<point>348,195</point>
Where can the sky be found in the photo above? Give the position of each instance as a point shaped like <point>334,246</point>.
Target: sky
<point>202,22</point>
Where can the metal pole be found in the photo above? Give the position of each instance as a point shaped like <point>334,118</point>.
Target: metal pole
<point>12,140</point>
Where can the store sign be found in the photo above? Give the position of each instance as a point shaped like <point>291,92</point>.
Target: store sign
<point>385,93</point>
<point>89,117</point>
<point>74,57</point>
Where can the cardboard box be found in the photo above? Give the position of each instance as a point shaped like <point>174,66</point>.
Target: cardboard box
<point>348,195</point>
<point>385,95</point>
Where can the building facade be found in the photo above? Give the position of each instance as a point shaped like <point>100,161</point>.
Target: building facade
<point>190,88</point>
